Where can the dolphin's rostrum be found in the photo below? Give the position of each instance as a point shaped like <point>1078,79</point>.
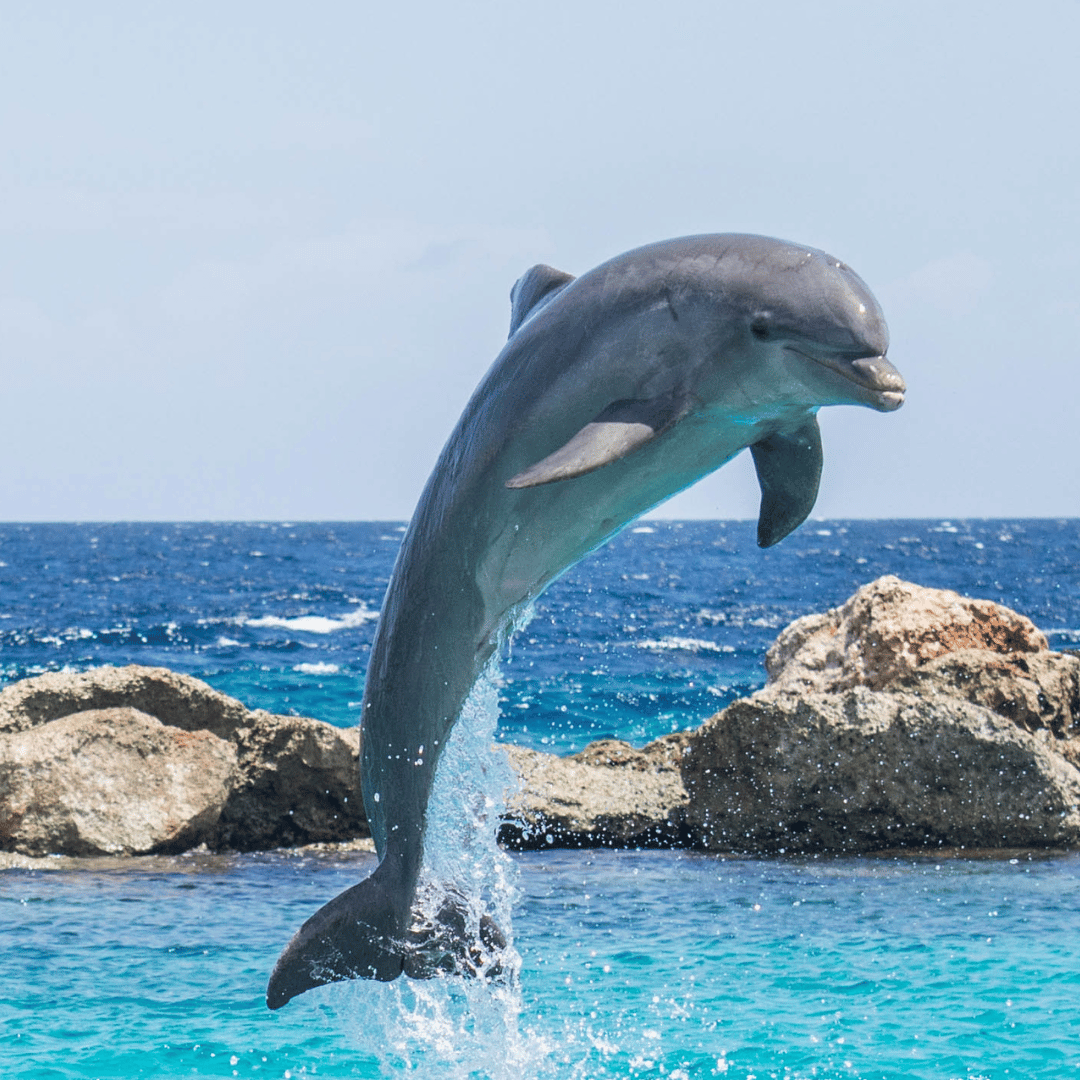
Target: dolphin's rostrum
<point>616,390</point>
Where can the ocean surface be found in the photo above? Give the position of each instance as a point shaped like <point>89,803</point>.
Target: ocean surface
<point>644,964</point>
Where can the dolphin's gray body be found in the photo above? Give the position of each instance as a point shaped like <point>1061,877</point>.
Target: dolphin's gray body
<point>615,390</point>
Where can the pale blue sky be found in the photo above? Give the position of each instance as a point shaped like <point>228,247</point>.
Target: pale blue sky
<point>254,257</point>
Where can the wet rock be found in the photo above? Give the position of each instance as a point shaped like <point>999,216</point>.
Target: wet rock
<point>291,780</point>
<point>297,783</point>
<point>111,781</point>
<point>608,795</point>
<point>177,700</point>
<point>863,771</point>
<point>906,717</point>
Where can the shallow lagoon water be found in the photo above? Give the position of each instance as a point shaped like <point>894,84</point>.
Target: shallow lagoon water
<point>675,964</point>
<point>633,964</point>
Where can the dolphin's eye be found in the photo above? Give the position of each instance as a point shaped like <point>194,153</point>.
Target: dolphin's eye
<point>760,328</point>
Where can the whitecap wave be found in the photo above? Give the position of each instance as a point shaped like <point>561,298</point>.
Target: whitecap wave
<point>321,668</point>
<point>684,644</point>
<point>316,624</point>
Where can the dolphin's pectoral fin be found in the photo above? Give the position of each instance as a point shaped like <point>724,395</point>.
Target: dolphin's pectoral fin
<point>534,289</point>
<point>620,428</point>
<point>357,935</point>
<point>446,944</point>
<point>789,470</point>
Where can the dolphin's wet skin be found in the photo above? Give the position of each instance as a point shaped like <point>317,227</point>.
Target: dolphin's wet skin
<point>615,391</point>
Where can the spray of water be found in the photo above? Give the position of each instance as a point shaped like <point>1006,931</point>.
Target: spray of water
<point>460,1023</point>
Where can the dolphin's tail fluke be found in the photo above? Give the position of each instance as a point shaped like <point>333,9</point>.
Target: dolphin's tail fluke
<point>358,935</point>
<point>370,932</point>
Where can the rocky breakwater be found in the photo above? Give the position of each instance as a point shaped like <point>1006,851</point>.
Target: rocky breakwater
<point>908,717</point>
<point>139,760</point>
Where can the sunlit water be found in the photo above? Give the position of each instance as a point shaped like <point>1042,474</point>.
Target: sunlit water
<point>622,963</point>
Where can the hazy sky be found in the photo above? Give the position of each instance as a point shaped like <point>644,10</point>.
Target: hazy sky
<point>254,257</point>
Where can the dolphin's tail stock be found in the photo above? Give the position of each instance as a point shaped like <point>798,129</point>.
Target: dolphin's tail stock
<point>357,935</point>
<point>367,932</point>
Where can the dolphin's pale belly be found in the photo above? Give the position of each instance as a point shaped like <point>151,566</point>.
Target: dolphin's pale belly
<point>541,532</point>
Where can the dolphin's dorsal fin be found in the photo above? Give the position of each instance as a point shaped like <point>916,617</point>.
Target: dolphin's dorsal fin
<point>789,470</point>
<point>619,429</point>
<point>534,289</point>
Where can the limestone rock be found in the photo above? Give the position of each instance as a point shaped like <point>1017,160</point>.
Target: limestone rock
<point>111,781</point>
<point>298,783</point>
<point>291,780</point>
<point>888,630</point>
<point>610,794</point>
<point>863,771</point>
<point>177,700</point>
<point>906,717</point>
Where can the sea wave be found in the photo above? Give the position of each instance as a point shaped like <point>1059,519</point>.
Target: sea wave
<point>321,668</point>
<point>316,624</point>
<point>684,644</point>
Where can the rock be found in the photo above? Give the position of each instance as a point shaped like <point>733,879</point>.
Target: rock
<point>888,630</point>
<point>177,700</point>
<point>111,781</point>
<point>906,717</point>
<point>298,783</point>
<point>291,780</point>
<point>610,794</point>
<point>864,771</point>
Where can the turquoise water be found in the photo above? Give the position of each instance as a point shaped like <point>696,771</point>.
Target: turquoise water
<point>650,964</point>
<point>632,964</point>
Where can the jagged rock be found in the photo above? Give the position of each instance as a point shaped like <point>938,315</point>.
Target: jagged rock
<point>888,630</point>
<point>864,770</point>
<point>908,716</point>
<point>610,794</point>
<point>298,783</point>
<point>177,700</point>
<point>291,780</point>
<point>111,781</point>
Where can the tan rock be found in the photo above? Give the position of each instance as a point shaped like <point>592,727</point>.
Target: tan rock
<point>887,631</point>
<point>293,780</point>
<point>111,781</point>
<point>610,794</point>
<point>177,700</point>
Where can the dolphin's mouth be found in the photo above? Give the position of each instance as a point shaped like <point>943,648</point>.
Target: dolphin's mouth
<point>881,384</point>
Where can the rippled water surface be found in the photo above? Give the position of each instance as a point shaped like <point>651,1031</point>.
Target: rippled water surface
<point>631,963</point>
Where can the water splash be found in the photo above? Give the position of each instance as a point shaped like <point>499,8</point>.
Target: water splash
<point>455,1024</point>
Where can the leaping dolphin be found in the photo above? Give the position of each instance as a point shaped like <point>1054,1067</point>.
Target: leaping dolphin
<point>615,390</point>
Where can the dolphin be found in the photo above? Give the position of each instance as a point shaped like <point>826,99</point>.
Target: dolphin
<point>615,390</point>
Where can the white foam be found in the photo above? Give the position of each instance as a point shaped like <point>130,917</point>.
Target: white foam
<point>321,668</point>
<point>316,624</point>
<point>684,644</point>
<point>643,529</point>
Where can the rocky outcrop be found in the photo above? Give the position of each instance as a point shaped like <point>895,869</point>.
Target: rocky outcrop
<point>608,795</point>
<point>176,700</point>
<point>908,717</point>
<point>297,782</point>
<point>134,760</point>
<point>107,781</point>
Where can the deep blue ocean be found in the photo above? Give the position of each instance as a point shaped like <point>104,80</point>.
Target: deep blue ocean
<point>645,964</point>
